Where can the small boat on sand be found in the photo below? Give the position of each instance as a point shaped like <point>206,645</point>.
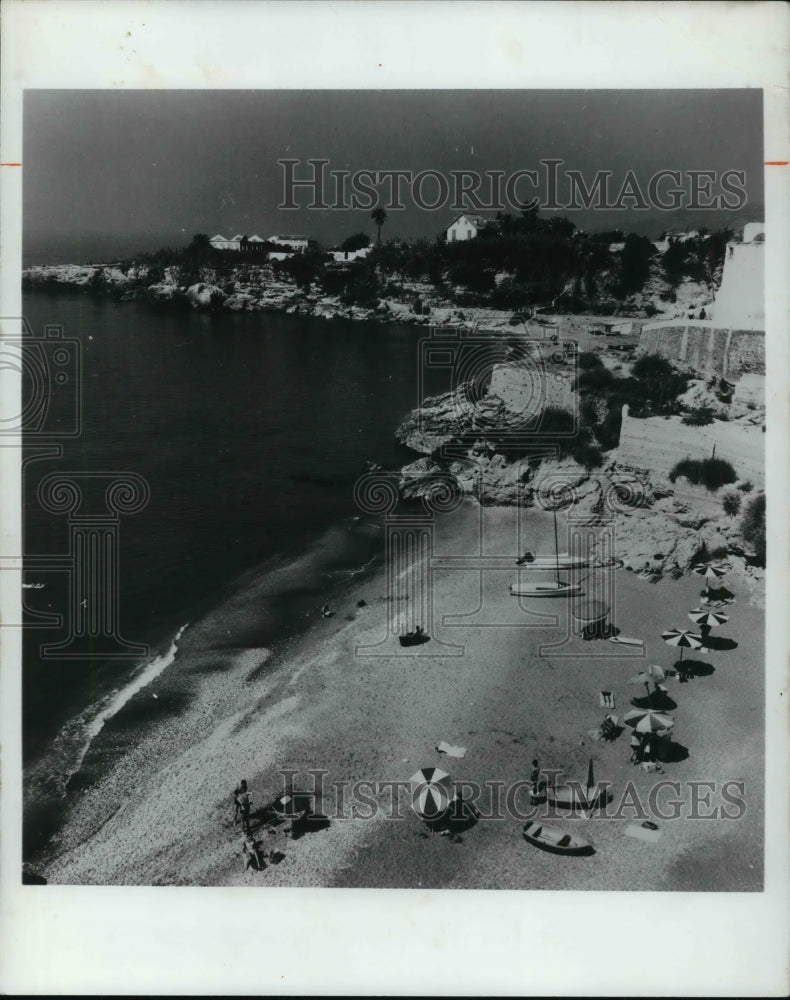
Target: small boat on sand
<point>575,797</point>
<point>564,560</point>
<point>556,588</point>
<point>415,638</point>
<point>550,838</point>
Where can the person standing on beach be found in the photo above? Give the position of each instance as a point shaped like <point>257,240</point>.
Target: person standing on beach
<point>534,777</point>
<point>243,802</point>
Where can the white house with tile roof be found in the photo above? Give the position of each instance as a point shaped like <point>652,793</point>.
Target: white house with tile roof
<point>464,227</point>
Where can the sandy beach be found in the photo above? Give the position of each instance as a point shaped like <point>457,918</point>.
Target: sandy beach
<point>159,811</point>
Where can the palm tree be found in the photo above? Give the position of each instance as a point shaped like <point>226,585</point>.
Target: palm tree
<point>379,216</point>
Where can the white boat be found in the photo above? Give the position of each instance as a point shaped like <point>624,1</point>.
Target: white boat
<point>557,588</point>
<point>575,797</point>
<point>550,838</point>
<point>564,560</point>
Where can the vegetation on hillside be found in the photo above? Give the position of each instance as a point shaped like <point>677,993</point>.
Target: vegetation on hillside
<point>711,473</point>
<point>652,389</point>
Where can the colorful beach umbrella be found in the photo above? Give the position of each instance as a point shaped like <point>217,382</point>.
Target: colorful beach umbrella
<point>682,638</point>
<point>432,792</point>
<point>648,720</point>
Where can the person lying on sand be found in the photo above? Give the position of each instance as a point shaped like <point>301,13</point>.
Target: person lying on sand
<point>254,855</point>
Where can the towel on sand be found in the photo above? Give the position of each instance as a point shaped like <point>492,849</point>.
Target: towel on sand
<point>451,751</point>
<point>642,833</point>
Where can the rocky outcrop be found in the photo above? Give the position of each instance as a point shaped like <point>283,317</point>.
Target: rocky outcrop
<point>203,296</point>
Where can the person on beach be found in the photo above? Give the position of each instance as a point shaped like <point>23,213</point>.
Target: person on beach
<point>636,749</point>
<point>254,857</point>
<point>326,612</point>
<point>534,777</point>
<point>243,802</point>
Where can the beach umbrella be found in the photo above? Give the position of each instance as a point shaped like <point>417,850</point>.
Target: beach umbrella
<point>707,619</point>
<point>648,720</point>
<point>432,792</point>
<point>682,638</point>
<point>588,610</point>
<point>700,616</point>
<point>642,678</point>
<point>709,571</point>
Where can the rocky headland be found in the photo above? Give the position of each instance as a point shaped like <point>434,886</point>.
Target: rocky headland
<point>662,528</point>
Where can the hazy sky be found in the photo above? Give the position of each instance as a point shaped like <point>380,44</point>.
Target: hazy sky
<point>142,168</point>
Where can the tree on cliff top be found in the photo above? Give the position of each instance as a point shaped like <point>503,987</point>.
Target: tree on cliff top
<point>357,241</point>
<point>379,216</point>
<point>635,264</point>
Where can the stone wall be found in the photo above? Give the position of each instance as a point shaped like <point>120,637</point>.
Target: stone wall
<point>658,443</point>
<point>703,346</point>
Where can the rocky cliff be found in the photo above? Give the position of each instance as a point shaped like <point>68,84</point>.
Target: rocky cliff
<point>661,528</point>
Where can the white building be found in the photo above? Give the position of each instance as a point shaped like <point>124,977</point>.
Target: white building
<point>237,242</point>
<point>464,227</point>
<point>299,244</point>
<point>220,242</point>
<point>348,256</point>
<point>740,299</point>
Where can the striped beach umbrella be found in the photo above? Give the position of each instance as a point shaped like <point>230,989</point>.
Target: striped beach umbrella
<point>701,616</point>
<point>648,720</point>
<point>682,638</point>
<point>710,572</point>
<point>431,792</point>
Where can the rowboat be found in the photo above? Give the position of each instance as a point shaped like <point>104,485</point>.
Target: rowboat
<point>556,588</point>
<point>550,838</point>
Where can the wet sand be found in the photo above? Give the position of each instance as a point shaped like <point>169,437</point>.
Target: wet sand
<point>160,812</point>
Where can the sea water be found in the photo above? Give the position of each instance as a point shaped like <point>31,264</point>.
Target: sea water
<point>250,431</point>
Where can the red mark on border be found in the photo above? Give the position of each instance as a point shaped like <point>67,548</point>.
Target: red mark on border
<point>776,163</point>
<point>10,164</point>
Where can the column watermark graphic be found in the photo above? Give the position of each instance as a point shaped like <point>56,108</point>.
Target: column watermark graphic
<point>42,412</point>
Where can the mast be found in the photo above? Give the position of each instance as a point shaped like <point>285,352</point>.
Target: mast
<point>556,547</point>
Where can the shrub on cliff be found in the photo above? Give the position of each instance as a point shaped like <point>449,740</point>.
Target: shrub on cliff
<point>731,503</point>
<point>586,453</point>
<point>708,472</point>
<point>698,417</point>
<point>753,527</point>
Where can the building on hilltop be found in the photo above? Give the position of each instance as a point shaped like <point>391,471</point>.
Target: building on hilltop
<point>740,299</point>
<point>730,342</point>
<point>239,243</point>
<point>297,244</point>
<point>464,227</point>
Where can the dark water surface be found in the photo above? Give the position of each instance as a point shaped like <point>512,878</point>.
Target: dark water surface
<point>250,430</point>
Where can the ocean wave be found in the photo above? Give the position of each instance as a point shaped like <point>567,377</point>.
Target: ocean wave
<point>69,749</point>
